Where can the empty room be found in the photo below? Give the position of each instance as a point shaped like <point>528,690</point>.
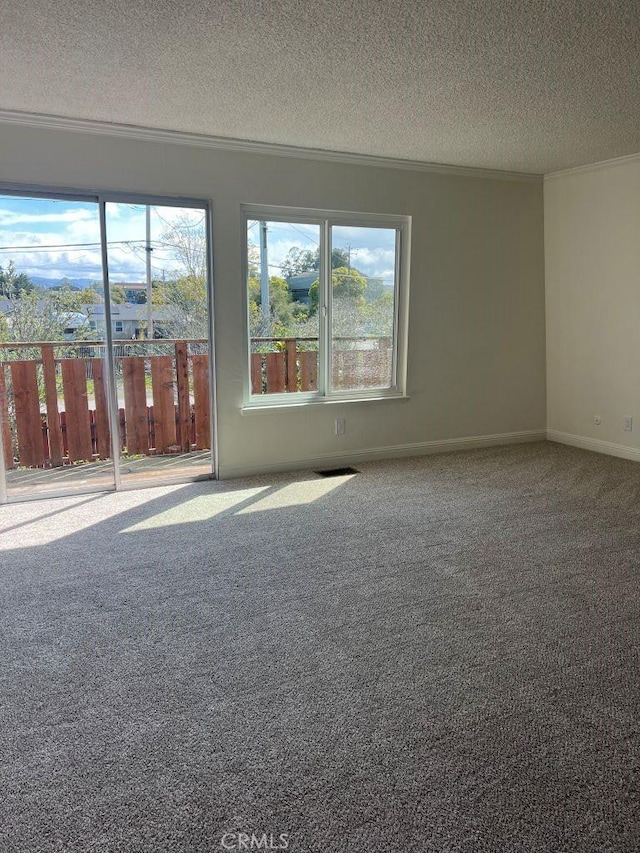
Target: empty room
<point>319,416</point>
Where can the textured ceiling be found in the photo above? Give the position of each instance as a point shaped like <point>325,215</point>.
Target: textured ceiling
<point>522,85</point>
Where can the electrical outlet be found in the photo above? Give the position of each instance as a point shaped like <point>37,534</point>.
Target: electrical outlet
<point>340,426</point>
<point>597,420</point>
<point>627,423</point>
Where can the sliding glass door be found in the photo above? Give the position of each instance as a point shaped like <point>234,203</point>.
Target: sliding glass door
<point>53,361</point>
<point>157,257</point>
<point>105,344</point>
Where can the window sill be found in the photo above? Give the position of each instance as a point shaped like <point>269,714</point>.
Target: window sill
<point>273,406</point>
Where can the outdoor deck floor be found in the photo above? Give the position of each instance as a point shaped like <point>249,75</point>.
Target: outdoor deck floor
<point>30,482</point>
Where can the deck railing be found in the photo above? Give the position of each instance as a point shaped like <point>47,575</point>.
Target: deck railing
<point>280,365</point>
<point>54,400</point>
<point>54,406</point>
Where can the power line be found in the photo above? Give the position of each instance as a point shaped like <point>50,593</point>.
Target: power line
<point>41,247</point>
<point>289,225</point>
<point>69,269</point>
<point>170,224</point>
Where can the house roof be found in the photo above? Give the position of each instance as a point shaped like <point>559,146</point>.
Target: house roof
<point>522,85</point>
<point>127,311</point>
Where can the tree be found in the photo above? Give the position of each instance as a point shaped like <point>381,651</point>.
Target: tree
<point>285,315</point>
<point>13,283</point>
<point>38,314</point>
<point>300,260</point>
<point>118,296</point>
<point>346,284</point>
<point>71,298</point>
<point>183,304</point>
<point>42,317</point>
<point>183,296</point>
<point>253,257</point>
<point>188,243</point>
<point>379,315</point>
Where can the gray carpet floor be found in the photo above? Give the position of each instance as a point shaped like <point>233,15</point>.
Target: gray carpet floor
<point>438,654</point>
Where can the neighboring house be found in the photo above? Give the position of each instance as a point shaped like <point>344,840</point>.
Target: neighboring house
<point>135,292</point>
<point>128,322</point>
<point>74,320</point>
<point>299,286</point>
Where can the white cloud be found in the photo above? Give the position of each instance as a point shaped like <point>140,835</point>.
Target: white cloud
<point>10,217</point>
<point>49,241</point>
<point>378,263</point>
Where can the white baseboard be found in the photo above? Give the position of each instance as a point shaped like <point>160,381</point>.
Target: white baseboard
<point>420,448</point>
<point>594,444</point>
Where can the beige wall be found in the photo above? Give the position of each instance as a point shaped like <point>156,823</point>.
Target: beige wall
<point>476,357</point>
<point>592,254</point>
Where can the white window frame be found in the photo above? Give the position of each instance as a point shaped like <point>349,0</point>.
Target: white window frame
<point>325,219</point>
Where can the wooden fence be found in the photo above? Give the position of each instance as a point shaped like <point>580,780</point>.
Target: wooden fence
<point>38,432</point>
<point>356,363</point>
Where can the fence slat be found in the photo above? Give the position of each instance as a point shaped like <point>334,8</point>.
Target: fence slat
<point>292,367</point>
<point>377,368</point>
<point>103,427</point>
<point>256,373</point>
<point>336,368</point>
<point>184,407</point>
<point>201,405</point>
<point>122,426</point>
<point>24,378</point>
<point>346,369</point>
<point>76,405</point>
<point>164,408</point>
<point>56,450</point>
<point>351,365</point>
<point>5,424</point>
<point>135,405</point>
<point>276,372</point>
<point>308,371</point>
<point>63,426</point>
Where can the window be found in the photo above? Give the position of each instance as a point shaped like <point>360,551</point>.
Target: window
<point>326,302</point>
<point>82,359</point>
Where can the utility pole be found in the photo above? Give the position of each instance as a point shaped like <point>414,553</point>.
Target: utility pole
<point>264,275</point>
<point>148,250</point>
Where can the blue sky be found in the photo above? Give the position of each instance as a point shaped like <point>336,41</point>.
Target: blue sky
<point>372,249</point>
<point>60,239</point>
<point>28,225</point>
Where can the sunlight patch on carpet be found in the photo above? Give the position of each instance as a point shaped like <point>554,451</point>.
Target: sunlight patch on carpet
<point>201,508</point>
<point>295,494</point>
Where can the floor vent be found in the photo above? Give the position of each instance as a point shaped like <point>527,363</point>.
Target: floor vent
<point>337,472</point>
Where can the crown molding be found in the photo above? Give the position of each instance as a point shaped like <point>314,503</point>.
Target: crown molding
<point>594,167</point>
<point>178,137</point>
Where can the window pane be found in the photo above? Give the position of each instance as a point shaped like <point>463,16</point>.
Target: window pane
<point>283,292</point>
<point>363,288</point>
<point>53,374</point>
<point>160,327</point>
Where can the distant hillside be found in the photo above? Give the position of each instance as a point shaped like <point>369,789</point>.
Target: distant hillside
<point>41,281</point>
